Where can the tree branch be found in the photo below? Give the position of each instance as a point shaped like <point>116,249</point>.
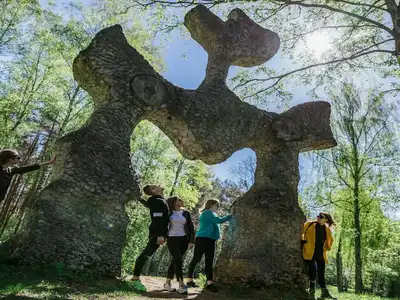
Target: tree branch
<point>301,35</point>
<point>390,91</point>
<point>341,11</point>
<point>331,160</point>
<point>363,4</point>
<point>280,77</point>
<point>367,204</point>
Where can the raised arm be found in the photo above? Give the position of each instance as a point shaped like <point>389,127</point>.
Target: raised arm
<point>25,169</point>
<point>210,217</point>
<point>143,202</point>
<point>30,168</point>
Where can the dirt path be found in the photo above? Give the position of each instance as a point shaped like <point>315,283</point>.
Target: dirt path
<point>155,291</point>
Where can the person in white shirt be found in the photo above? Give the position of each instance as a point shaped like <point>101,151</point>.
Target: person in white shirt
<point>181,236</point>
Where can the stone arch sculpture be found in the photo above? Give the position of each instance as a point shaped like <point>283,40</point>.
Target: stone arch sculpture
<point>79,218</point>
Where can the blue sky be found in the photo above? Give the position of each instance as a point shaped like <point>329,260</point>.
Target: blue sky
<point>186,61</point>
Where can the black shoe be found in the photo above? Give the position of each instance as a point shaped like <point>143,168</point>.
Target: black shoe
<point>211,287</point>
<point>191,284</point>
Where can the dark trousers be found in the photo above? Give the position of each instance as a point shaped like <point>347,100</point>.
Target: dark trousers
<point>316,266</point>
<point>151,247</point>
<point>177,246</point>
<point>202,246</point>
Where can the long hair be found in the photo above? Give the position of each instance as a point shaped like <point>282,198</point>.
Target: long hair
<point>6,155</point>
<point>329,217</point>
<point>171,201</point>
<point>210,203</point>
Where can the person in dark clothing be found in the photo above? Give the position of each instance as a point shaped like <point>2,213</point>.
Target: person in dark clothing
<point>180,238</point>
<point>8,159</point>
<point>158,230</point>
<point>317,240</point>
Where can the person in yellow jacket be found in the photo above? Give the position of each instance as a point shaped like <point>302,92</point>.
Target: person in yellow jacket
<point>316,241</point>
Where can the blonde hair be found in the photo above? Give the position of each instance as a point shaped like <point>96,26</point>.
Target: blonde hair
<point>210,203</point>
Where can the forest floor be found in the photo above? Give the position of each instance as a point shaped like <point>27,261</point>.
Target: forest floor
<point>21,286</point>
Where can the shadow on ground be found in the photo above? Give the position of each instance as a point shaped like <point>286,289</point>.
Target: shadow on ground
<point>25,285</point>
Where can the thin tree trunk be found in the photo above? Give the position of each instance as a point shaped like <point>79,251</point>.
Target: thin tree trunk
<point>151,157</point>
<point>46,172</point>
<point>9,208</point>
<point>339,265</point>
<point>359,287</point>
<point>71,104</point>
<point>38,179</point>
<point>357,242</point>
<point>177,174</point>
<point>36,184</point>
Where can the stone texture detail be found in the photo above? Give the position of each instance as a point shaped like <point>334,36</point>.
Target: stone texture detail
<point>79,218</point>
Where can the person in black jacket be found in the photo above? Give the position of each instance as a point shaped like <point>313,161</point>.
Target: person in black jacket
<point>158,230</point>
<point>180,237</point>
<point>9,158</point>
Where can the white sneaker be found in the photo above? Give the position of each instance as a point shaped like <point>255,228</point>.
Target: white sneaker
<point>168,287</point>
<point>182,290</point>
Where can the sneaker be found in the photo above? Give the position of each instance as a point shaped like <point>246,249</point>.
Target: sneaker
<point>211,287</point>
<point>182,290</point>
<point>137,285</point>
<point>168,287</point>
<point>191,284</point>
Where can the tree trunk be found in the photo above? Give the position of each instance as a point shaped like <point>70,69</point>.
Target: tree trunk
<point>82,210</point>
<point>339,266</point>
<point>177,174</point>
<point>71,104</point>
<point>152,155</point>
<point>265,247</point>
<point>12,200</point>
<point>359,288</point>
<point>40,174</point>
<point>79,219</point>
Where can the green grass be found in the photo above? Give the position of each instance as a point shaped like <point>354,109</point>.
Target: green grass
<point>43,289</point>
<point>27,284</point>
<point>55,284</point>
<point>348,296</point>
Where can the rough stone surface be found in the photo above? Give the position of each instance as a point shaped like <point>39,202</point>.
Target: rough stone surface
<point>69,221</point>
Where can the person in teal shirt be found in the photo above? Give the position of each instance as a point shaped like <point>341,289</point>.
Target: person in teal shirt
<point>206,236</point>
